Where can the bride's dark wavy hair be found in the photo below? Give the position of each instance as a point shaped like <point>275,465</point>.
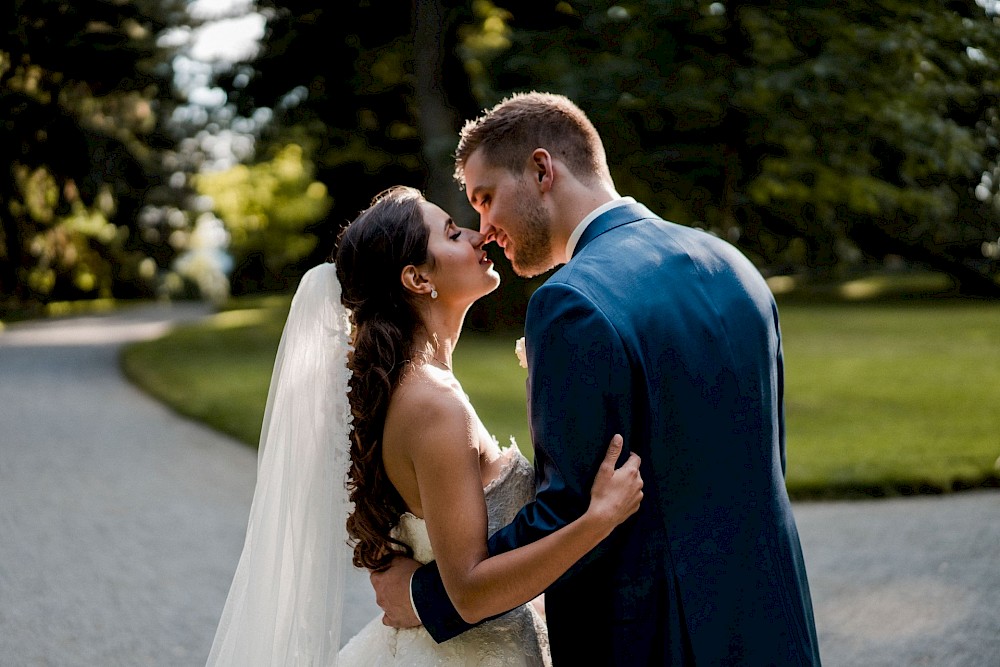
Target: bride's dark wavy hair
<point>371,253</point>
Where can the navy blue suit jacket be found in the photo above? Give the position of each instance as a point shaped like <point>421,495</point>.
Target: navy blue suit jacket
<point>669,336</point>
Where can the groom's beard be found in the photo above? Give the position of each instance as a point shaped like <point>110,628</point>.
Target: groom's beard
<point>533,244</point>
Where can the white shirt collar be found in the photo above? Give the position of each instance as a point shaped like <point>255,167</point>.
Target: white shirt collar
<point>574,238</point>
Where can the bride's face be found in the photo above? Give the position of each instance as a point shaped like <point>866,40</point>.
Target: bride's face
<point>460,271</point>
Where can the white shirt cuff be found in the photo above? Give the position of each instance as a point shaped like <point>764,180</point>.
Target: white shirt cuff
<point>412,604</point>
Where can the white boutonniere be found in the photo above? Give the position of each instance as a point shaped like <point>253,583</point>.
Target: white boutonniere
<point>522,356</point>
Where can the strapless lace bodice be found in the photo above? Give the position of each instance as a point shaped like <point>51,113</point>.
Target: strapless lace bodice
<point>516,638</point>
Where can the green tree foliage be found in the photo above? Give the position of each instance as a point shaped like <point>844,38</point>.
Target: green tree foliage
<point>382,106</point>
<point>78,89</point>
<point>266,208</point>
<point>813,134</point>
<point>343,83</point>
<point>848,130</point>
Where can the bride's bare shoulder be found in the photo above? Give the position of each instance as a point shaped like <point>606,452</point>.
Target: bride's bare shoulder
<point>429,406</point>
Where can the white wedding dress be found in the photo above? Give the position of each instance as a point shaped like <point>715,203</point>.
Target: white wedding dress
<point>516,638</point>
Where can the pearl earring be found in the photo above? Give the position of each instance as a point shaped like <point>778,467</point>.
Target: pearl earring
<point>434,293</point>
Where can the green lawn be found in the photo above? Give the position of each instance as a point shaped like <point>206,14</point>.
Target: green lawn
<point>881,399</point>
<point>898,398</point>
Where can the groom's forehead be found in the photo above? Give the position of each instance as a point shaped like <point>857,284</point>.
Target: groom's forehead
<point>487,176</point>
<point>479,179</point>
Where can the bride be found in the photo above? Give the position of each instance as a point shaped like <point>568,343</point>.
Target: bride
<point>424,476</point>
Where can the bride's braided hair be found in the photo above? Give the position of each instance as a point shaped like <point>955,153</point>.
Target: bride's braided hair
<point>371,254</point>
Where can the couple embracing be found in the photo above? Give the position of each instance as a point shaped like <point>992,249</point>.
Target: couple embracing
<point>654,518</point>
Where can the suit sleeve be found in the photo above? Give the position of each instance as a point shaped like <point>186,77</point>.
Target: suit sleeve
<point>578,399</point>
<point>430,599</point>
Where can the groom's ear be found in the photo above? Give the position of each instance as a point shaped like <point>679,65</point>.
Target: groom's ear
<point>541,163</point>
<point>414,281</point>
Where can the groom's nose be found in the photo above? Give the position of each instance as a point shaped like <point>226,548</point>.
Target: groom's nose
<point>487,230</point>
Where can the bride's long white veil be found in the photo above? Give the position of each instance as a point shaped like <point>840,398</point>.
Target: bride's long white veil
<point>286,600</point>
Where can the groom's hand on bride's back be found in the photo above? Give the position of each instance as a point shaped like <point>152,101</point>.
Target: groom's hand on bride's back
<point>392,593</point>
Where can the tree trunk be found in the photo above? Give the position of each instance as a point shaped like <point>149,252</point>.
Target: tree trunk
<point>437,120</point>
<point>11,255</point>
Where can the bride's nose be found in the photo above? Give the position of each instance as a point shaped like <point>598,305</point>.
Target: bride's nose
<point>476,239</point>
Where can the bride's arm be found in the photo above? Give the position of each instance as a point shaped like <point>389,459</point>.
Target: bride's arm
<point>445,458</point>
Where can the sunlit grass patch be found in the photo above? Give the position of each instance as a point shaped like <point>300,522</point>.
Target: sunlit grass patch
<point>882,398</point>
<point>880,286</point>
<point>216,371</point>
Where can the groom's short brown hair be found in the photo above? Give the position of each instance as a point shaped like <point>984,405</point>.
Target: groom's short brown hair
<point>510,131</point>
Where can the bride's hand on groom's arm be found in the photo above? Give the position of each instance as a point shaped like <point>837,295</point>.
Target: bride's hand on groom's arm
<point>392,593</point>
<point>616,492</point>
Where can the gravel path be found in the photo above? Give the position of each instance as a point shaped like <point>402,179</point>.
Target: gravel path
<point>121,525</point>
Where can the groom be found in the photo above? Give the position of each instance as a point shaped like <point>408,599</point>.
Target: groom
<point>666,335</point>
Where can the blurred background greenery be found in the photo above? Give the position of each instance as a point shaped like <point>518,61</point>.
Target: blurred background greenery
<point>213,149</point>
<point>202,148</point>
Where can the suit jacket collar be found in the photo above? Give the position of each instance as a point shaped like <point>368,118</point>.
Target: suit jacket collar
<point>616,217</point>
